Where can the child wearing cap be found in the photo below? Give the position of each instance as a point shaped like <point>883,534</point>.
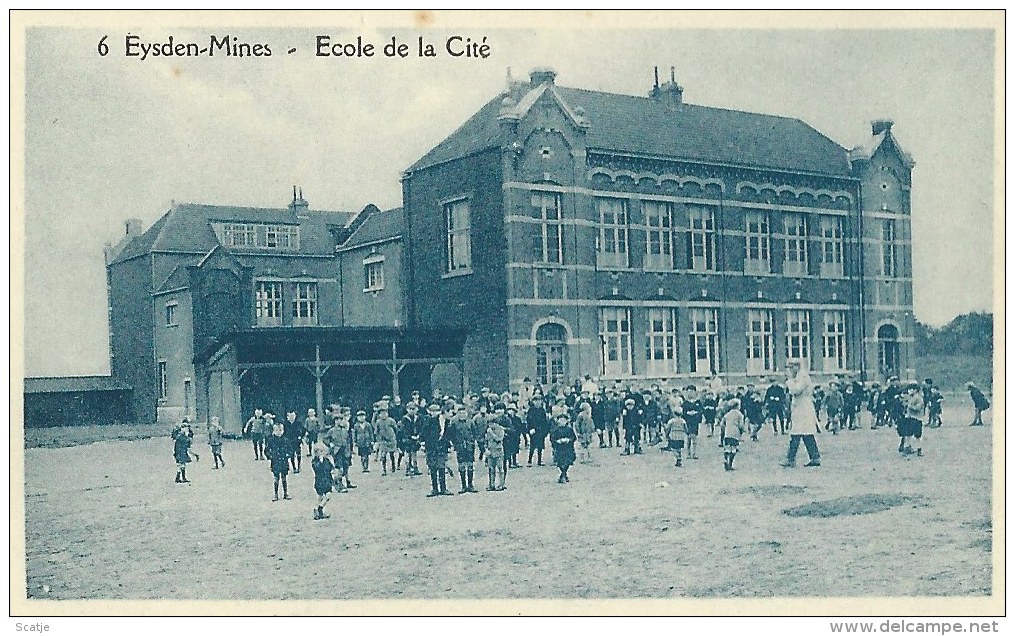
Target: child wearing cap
<point>387,442</point>
<point>631,418</point>
<point>363,437</point>
<point>215,441</point>
<point>277,449</point>
<point>494,439</point>
<point>183,437</point>
<point>293,435</point>
<point>692,418</point>
<point>409,432</point>
<point>563,438</point>
<point>338,439</point>
<point>538,425</point>
<point>464,444</point>
<point>312,428</point>
<point>255,428</point>
<point>512,437</point>
<point>732,430</point>
<point>479,423</point>
<point>912,423</point>
<point>324,480</point>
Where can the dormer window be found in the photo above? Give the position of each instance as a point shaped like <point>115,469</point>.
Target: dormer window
<point>258,236</point>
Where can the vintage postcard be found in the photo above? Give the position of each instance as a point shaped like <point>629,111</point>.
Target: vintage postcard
<point>512,312</point>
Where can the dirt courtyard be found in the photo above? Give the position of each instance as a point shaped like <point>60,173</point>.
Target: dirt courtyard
<point>106,521</point>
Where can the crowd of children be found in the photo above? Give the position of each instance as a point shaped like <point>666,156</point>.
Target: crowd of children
<point>491,429</point>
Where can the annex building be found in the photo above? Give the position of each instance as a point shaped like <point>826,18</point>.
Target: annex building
<point>579,232</point>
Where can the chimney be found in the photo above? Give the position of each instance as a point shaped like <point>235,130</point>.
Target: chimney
<point>879,126</point>
<point>542,75</point>
<point>299,205</point>
<point>671,93</point>
<point>133,227</point>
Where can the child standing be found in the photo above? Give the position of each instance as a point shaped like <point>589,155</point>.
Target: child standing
<point>386,439</point>
<point>312,426</point>
<point>183,437</point>
<point>324,480</point>
<point>676,434</point>
<point>732,430</point>
<point>215,441</point>
<point>494,438</point>
<point>255,428</point>
<point>563,438</point>
<point>585,428</point>
<point>293,435</point>
<point>464,443</point>
<point>277,448</point>
<point>692,417</point>
<point>363,437</point>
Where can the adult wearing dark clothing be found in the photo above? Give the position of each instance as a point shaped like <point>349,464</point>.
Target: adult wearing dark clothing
<point>599,418</point>
<point>293,434</point>
<point>435,433</point>
<point>538,425</point>
<point>775,404</point>
<point>512,437</point>
<point>277,448</point>
<point>409,431</point>
<point>980,403</point>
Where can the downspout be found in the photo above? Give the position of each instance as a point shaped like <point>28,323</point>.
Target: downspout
<point>861,259</point>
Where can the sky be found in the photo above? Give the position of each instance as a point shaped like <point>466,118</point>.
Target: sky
<point>114,137</point>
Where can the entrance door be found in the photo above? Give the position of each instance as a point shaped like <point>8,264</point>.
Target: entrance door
<point>551,353</point>
<point>888,350</point>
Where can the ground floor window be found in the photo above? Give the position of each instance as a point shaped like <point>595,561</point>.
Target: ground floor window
<point>615,332</point>
<point>163,379</point>
<point>760,341</point>
<point>661,342</point>
<point>551,353</point>
<point>798,335</point>
<point>704,340</point>
<point>834,341</point>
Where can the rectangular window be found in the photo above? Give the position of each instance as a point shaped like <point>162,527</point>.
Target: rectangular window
<point>704,340</point>
<point>701,239</point>
<point>760,341</point>
<point>831,246</point>
<point>171,315</point>
<point>163,380</point>
<point>888,254</point>
<point>304,304</point>
<point>659,235</point>
<point>661,342</point>
<point>281,237</point>
<point>458,244</point>
<point>550,243</point>
<point>612,232</point>
<point>268,303</point>
<point>239,235</point>
<point>798,335</point>
<point>834,341</point>
<point>373,275</point>
<point>758,244</point>
<point>795,229</point>
<point>615,331</point>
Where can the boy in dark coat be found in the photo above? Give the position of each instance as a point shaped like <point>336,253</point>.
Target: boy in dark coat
<point>409,431</point>
<point>538,425</point>
<point>278,449</point>
<point>775,404</point>
<point>435,434</point>
<point>324,480</point>
<point>464,441</point>
<point>293,435</point>
<point>183,437</point>
<point>631,417</point>
<point>512,437</point>
<point>980,403</point>
<point>563,437</point>
<point>692,419</point>
<point>363,436</point>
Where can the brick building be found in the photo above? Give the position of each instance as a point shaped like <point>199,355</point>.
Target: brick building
<point>580,232</point>
<point>216,310</point>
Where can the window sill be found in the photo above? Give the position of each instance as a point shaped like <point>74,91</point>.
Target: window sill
<point>175,324</point>
<point>371,290</point>
<point>457,273</point>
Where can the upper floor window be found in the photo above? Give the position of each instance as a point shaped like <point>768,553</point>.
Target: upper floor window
<point>612,232</point>
<point>239,235</point>
<point>268,302</point>
<point>658,235</point>
<point>373,274</point>
<point>259,236</point>
<point>758,244</point>
<point>795,229</point>
<point>889,264</point>
<point>831,246</point>
<point>304,304</point>
<point>458,244</point>
<point>701,238</point>
<point>550,242</point>
<point>171,315</point>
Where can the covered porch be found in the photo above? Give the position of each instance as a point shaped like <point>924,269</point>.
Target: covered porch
<point>297,368</point>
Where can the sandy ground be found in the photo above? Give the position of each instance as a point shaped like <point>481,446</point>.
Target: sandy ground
<point>105,520</point>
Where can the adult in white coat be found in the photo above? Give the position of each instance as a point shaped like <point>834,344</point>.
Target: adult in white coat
<point>803,421</point>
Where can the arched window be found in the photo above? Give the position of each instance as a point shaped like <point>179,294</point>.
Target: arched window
<point>551,353</point>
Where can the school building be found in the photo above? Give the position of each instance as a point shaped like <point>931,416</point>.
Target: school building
<point>579,232</point>
<point>558,232</point>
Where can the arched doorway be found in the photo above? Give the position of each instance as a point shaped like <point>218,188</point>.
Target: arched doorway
<point>551,353</point>
<point>888,350</point>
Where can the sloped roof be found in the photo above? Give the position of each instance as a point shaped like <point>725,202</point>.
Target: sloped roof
<point>69,384</point>
<point>379,226</point>
<point>187,228</point>
<point>647,126</point>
